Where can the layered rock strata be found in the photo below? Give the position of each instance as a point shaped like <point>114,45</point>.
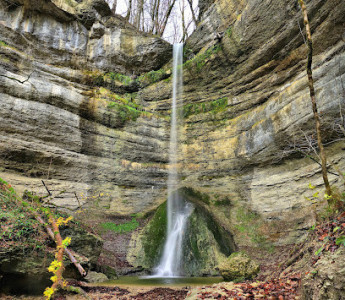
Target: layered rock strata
<point>56,127</point>
<point>248,117</point>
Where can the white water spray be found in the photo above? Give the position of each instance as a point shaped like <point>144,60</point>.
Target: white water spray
<point>177,210</point>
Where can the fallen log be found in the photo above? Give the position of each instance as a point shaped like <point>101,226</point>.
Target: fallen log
<point>67,251</point>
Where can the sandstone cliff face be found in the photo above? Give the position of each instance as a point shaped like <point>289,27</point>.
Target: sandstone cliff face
<point>245,103</point>
<point>52,129</point>
<point>242,152</point>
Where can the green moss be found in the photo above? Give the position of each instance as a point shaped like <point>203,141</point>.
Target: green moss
<point>3,44</point>
<point>188,191</point>
<point>249,223</point>
<point>121,228</point>
<point>228,32</point>
<point>125,112</point>
<point>214,107</point>
<point>152,77</point>
<point>203,237</point>
<point>18,225</point>
<point>154,235</point>
<point>222,202</point>
<point>111,80</point>
<point>124,79</point>
<point>199,61</point>
<point>187,53</point>
<point>31,196</point>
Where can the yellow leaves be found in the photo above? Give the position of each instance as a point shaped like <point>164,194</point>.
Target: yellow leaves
<point>53,278</point>
<point>61,221</point>
<point>48,292</point>
<point>54,266</point>
<point>311,186</point>
<point>64,284</point>
<point>316,195</point>
<point>66,242</point>
<point>328,197</point>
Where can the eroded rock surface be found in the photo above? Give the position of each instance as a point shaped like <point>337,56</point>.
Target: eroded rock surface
<point>246,107</point>
<point>55,125</point>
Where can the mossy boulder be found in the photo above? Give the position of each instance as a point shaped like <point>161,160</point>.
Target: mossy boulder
<point>204,245</point>
<point>146,246</point>
<point>238,266</point>
<point>94,277</point>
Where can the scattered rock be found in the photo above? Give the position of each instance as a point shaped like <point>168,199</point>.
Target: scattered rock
<point>238,266</point>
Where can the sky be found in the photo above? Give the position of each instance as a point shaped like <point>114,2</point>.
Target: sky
<point>169,34</point>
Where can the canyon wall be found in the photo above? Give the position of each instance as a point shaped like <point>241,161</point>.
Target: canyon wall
<point>58,126</point>
<point>83,111</point>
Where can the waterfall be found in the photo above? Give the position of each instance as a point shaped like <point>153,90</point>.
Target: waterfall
<point>177,210</point>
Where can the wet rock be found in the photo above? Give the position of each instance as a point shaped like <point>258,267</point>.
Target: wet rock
<point>238,266</point>
<point>205,243</point>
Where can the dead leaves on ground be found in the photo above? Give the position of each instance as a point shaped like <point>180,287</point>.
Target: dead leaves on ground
<point>274,289</point>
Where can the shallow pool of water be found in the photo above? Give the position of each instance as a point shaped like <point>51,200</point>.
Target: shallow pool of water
<point>154,281</point>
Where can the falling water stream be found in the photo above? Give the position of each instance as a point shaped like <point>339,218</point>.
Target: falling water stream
<point>178,210</point>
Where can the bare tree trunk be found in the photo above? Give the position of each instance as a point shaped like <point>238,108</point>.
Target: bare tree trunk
<point>313,100</point>
<point>128,15</point>
<point>113,9</point>
<point>138,14</point>
<point>184,29</point>
<point>166,18</point>
<point>142,19</point>
<point>190,2</point>
<point>154,17</point>
<point>157,15</point>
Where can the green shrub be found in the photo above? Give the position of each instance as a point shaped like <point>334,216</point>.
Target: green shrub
<point>18,225</point>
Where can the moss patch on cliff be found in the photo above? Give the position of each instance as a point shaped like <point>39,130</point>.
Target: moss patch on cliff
<point>214,107</point>
<point>114,81</point>
<point>124,111</point>
<point>199,61</point>
<point>188,191</point>
<point>251,226</point>
<point>153,76</point>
